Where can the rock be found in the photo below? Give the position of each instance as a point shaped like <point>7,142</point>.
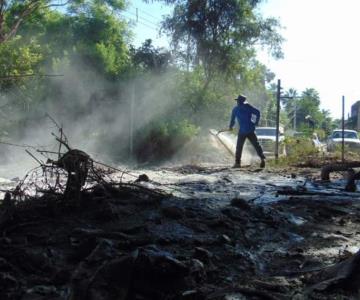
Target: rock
<point>240,203</point>
<point>7,200</point>
<point>41,292</point>
<point>5,241</point>
<point>99,191</point>
<point>7,281</point>
<point>173,212</point>
<point>225,239</point>
<point>35,260</point>
<point>87,269</point>
<point>190,295</point>
<point>5,266</point>
<point>234,213</point>
<point>113,279</point>
<point>61,277</point>
<point>343,275</point>
<point>197,271</point>
<point>82,247</point>
<point>142,178</point>
<point>203,254</point>
<point>157,273</point>
<point>160,264</point>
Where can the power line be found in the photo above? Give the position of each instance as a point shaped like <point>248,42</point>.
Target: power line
<point>139,22</point>
<point>146,25</point>
<point>146,13</point>
<point>142,18</point>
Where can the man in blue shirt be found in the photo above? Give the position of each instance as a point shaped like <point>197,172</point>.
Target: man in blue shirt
<point>248,118</point>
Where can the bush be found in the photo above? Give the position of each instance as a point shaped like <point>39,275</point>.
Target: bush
<point>161,140</point>
<point>299,150</point>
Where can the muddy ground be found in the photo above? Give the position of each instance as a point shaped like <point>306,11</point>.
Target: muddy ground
<point>189,232</point>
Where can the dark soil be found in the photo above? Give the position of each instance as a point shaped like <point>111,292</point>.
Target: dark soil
<point>131,242</point>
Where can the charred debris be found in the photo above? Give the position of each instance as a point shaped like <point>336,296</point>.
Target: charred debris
<point>73,230</point>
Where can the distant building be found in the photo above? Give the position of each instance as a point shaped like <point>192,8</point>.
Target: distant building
<point>355,115</point>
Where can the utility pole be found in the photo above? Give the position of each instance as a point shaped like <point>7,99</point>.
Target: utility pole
<point>343,130</point>
<point>278,96</point>
<point>295,108</point>
<point>131,140</point>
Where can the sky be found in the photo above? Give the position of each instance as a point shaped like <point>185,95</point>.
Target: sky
<point>321,48</point>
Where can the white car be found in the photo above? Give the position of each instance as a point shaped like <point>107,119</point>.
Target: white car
<point>351,140</point>
<point>267,139</point>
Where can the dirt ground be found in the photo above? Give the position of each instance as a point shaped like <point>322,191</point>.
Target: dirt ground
<point>205,232</point>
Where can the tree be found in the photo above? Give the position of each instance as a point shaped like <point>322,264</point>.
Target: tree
<point>14,12</point>
<point>290,103</point>
<point>220,35</point>
<point>88,32</point>
<point>308,113</point>
<point>86,41</point>
<point>149,58</point>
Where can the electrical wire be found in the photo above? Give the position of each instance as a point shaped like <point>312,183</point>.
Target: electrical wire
<point>146,13</point>
<point>139,17</point>
<point>138,22</point>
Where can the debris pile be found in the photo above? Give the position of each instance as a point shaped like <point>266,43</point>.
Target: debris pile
<point>70,230</point>
<point>129,241</point>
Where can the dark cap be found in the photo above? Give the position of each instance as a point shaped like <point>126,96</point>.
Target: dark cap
<point>240,98</point>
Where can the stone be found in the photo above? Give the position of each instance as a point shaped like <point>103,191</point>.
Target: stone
<point>225,239</point>
<point>197,271</point>
<point>7,281</point>
<point>202,254</point>
<point>240,203</point>
<point>143,178</point>
<point>173,212</point>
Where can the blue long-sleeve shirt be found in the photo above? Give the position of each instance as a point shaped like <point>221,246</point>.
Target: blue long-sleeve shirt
<point>247,116</point>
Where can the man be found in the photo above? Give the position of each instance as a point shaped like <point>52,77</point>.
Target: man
<point>248,117</point>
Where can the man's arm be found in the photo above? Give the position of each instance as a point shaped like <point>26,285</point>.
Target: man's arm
<point>232,123</point>
<point>256,112</point>
<point>224,130</point>
<point>232,119</point>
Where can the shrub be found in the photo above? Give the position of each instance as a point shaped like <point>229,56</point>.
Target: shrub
<point>161,140</point>
<point>299,150</point>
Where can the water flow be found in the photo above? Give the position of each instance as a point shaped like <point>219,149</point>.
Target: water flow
<point>228,140</point>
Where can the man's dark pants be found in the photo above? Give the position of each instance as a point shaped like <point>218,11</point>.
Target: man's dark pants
<point>240,144</point>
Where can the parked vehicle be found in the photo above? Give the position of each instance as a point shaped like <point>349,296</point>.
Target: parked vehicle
<point>351,140</point>
<point>267,139</point>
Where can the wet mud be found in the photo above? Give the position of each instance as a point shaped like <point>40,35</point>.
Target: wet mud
<point>189,232</point>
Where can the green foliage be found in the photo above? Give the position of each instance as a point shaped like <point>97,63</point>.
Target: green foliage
<point>99,39</point>
<point>163,139</point>
<point>209,103</point>
<point>305,109</point>
<point>91,34</point>
<point>215,60</point>
<point>220,35</point>
<point>350,154</point>
<point>298,151</point>
<point>199,103</point>
<point>17,59</point>
<point>147,58</point>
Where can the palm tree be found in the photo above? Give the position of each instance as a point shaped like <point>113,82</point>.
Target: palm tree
<point>290,101</point>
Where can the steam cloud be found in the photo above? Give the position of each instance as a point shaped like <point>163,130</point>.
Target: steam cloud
<point>87,107</point>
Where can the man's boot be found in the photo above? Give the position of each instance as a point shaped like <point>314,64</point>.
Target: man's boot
<point>262,164</point>
<point>237,165</point>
